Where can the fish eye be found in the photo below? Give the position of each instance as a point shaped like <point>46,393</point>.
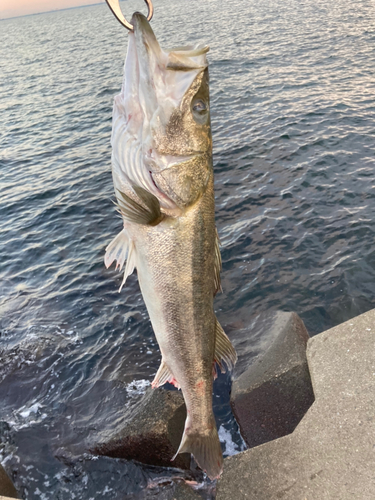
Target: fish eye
<point>200,110</point>
<point>199,106</point>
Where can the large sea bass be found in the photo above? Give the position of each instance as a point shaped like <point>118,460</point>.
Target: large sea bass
<point>163,178</point>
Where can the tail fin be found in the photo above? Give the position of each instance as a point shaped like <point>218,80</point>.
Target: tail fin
<point>205,447</point>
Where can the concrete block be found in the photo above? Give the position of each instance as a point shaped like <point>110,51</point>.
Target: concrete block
<point>7,488</point>
<point>272,393</point>
<point>185,492</point>
<point>153,432</point>
<point>331,453</point>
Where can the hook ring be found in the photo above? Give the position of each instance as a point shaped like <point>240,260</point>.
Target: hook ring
<point>115,8</point>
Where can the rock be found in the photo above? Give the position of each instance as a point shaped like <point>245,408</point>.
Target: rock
<point>270,397</point>
<point>153,432</point>
<point>331,453</point>
<point>7,488</point>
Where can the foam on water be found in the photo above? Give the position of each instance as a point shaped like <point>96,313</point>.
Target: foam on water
<point>231,448</point>
<point>137,387</point>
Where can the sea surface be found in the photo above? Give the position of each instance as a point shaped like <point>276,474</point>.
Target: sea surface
<point>292,102</point>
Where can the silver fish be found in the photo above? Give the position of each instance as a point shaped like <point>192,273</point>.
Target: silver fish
<point>163,178</point>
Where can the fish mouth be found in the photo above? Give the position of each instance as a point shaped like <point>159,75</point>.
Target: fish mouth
<point>136,106</point>
<point>143,67</point>
<point>145,37</point>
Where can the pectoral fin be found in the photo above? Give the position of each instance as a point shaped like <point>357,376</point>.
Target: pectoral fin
<point>146,213</point>
<point>224,351</point>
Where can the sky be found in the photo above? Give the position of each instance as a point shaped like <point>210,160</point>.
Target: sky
<point>13,8</point>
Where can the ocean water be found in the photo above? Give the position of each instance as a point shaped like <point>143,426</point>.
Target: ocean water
<point>292,103</point>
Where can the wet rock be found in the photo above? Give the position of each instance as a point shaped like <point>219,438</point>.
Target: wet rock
<point>153,432</point>
<point>7,488</point>
<point>272,393</point>
<point>330,455</point>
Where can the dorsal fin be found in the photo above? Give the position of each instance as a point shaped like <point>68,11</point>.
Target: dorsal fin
<point>224,351</point>
<point>217,265</point>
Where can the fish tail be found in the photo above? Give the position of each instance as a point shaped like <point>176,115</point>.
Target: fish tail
<point>205,447</point>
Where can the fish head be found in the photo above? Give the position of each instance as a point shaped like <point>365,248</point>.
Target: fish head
<point>164,107</point>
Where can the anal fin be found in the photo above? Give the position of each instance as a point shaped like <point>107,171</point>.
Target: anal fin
<point>164,375</point>
<point>224,350</point>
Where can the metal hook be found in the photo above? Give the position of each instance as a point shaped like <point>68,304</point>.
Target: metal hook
<point>115,8</point>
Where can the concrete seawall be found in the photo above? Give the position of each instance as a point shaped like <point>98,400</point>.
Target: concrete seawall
<point>331,453</point>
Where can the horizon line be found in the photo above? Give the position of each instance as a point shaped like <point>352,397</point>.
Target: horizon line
<point>53,10</point>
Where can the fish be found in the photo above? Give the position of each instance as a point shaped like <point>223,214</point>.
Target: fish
<point>164,186</point>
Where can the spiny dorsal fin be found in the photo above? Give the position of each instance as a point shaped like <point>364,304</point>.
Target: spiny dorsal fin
<point>224,351</point>
<point>148,213</point>
<point>217,265</point>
